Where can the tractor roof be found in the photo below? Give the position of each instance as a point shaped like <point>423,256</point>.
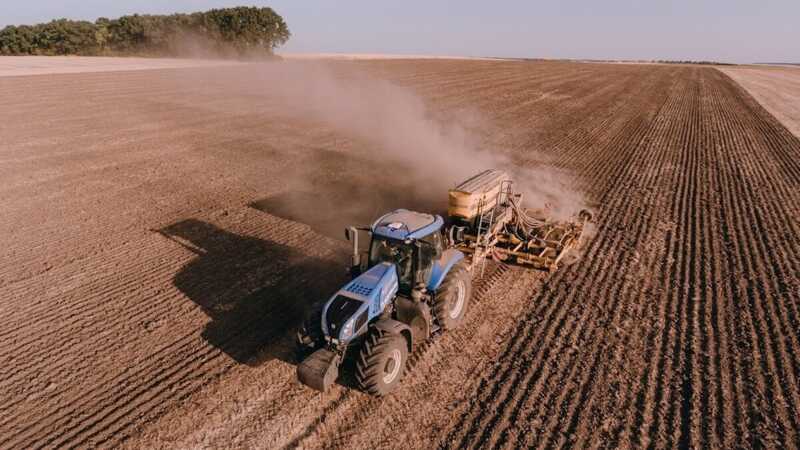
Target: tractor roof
<point>404,224</point>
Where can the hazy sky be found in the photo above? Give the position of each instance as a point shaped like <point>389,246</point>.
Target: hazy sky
<point>723,30</point>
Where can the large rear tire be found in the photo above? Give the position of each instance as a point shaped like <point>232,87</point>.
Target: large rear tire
<point>452,298</point>
<point>382,362</point>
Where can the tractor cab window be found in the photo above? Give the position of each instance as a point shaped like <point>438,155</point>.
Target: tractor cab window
<point>430,250</point>
<point>435,241</point>
<point>395,252</point>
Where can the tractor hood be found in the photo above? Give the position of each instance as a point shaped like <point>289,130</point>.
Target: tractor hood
<point>348,312</point>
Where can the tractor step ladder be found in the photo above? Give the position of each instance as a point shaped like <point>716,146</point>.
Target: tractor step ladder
<point>485,219</point>
<point>486,223</point>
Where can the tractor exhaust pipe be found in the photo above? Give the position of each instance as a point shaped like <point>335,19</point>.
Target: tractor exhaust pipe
<point>351,234</point>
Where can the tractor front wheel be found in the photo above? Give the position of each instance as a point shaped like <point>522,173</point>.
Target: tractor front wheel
<point>452,298</point>
<point>382,362</point>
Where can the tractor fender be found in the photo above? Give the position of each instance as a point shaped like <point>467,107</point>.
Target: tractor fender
<point>449,258</point>
<point>395,327</point>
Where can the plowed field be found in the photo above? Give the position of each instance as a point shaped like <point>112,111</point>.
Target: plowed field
<point>776,88</point>
<point>154,267</point>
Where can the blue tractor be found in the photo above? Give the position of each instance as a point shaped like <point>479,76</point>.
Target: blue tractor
<point>406,287</point>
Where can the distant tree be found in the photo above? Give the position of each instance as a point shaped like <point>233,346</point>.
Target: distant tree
<point>65,37</point>
<point>246,28</point>
<point>17,40</point>
<point>240,31</point>
<point>102,34</point>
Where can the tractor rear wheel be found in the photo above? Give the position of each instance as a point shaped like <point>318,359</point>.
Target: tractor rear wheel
<point>382,362</point>
<point>452,298</point>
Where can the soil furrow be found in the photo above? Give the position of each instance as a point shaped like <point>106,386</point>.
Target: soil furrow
<point>147,306</point>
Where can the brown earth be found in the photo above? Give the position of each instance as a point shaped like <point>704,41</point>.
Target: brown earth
<point>154,270</point>
<point>11,66</point>
<point>776,88</point>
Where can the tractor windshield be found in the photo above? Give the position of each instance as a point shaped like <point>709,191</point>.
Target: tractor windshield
<point>395,252</point>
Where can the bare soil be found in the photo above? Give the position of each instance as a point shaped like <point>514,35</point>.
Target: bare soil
<point>378,56</point>
<point>776,88</point>
<point>154,270</point>
<point>11,66</point>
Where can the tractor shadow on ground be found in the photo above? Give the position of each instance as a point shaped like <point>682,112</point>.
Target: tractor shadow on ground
<point>255,291</point>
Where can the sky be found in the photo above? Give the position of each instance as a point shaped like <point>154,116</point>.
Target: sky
<point>719,30</point>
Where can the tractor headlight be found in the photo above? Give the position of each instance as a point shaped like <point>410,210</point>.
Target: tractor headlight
<point>347,329</point>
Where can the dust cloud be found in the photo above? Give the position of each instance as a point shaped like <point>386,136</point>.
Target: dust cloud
<point>414,154</point>
<point>395,121</point>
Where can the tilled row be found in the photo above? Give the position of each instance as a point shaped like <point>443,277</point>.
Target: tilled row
<point>682,334</point>
<point>334,425</point>
<point>161,373</point>
<point>560,326</point>
<point>678,328</point>
<point>507,321</point>
<point>106,319</point>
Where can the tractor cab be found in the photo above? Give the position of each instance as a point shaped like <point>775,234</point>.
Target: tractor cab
<point>410,241</point>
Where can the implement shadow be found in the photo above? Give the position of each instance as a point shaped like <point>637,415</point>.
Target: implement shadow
<point>254,291</point>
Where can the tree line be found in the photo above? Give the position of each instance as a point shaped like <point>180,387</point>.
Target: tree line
<point>231,32</point>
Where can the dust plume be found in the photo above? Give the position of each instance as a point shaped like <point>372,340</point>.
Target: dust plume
<point>395,121</point>
<point>406,134</point>
<point>192,45</point>
<point>414,153</point>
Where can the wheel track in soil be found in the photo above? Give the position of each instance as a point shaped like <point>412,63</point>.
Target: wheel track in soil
<point>681,290</point>
<point>676,266</point>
